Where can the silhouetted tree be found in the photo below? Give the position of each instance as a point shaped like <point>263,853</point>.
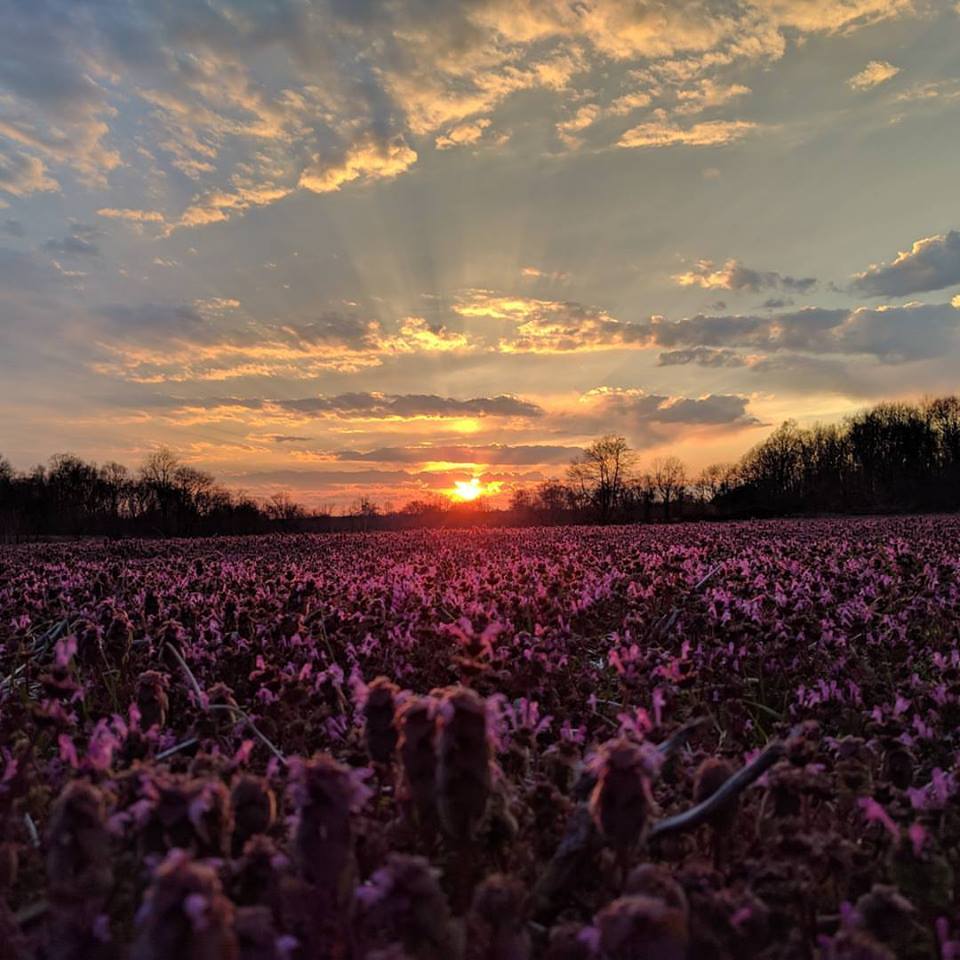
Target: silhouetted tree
<point>601,473</point>
<point>669,480</point>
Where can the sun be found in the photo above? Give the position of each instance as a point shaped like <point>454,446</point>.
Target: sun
<point>467,491</point>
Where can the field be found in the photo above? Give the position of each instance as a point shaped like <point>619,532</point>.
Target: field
<point>201,758</point>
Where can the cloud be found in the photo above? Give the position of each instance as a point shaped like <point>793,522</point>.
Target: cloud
<point>914,331</point>
<point>156,322</point>
<point>52,99</point>
<point>417,334</point>
<point>493,454</point>
<point>336,329</point>
<point>154,343</point>
<point>931,263</point>
<point>286,438</point>
<point>215,306</point>
<point>549,326</point>
<point>14,228</point>
<point>79,242</point>
<point>534,273</point>
<point>379,406</point>
<point>22,174</point>
<point>367,159</point>
<point>662,133</point>
<point>934,91</point>
<point>132,216</point>
<point>253,101</point>
<point>733,275</point>
<point>831,16</point>
<point>218,206</point>
<point>707,94</point>
<point>634,408</point>
<point>872,75</point>
<point>701,356</point>
<point>463,134</point>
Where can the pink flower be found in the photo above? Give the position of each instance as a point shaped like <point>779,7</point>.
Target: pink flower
<point>875,813</point>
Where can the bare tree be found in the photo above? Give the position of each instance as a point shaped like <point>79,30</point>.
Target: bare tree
<point>160,467</point>
<point>715,480</point>
<point>602,471</point>
<point>670,480</point>
<point>365,509</point>
<point>283,508</point>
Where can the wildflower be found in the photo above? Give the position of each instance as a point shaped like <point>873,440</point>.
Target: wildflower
<point>622,799</point>
<point>254,808</point>
<point>152,699</point>
<point>402,903</point>
<point>185,915</point>
<point>651,880</point>
<point>463,762</point>
<point>417,722</point>
<point>642,928</point>
<point>381,731</point>
<point>711,775</point>
<point>497,926</point>
<point>326,793</point>
<point>79,866</point>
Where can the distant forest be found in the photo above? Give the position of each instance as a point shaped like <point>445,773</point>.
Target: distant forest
<point>893,458</point>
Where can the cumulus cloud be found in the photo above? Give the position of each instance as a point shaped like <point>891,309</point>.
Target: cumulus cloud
<point>914,331</point>
<point>706,94</point>
<point>634,408</point>
<point>254,101</point>
<point>872,75</point>
<point>367,159</point>
<point>931,263</point>
<point>463,134</point>
<point>550,326</point>
<point>54,103</point>
<point>154,343</point>
<point>22,174</point>
<point>734,275</point>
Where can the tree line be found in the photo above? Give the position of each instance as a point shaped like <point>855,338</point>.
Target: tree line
<point>165,497</point>
<point>893,457</point>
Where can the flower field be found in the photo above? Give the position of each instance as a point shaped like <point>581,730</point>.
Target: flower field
<point>703,741</point>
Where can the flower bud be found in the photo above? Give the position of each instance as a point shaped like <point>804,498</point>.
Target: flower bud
<point>463,762</point>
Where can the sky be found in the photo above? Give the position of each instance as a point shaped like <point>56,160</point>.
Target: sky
<point>381,246</point>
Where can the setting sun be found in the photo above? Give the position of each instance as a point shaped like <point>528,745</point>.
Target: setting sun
<point>462,490</point>
<point>467,491</point>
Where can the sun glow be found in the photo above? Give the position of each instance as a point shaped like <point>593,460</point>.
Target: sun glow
<point>467,491</point>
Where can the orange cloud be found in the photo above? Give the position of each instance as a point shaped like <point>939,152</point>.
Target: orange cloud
<point>662,133</point>
<point>872,75</point>
<point>551,326</point>
<point>368,159</point>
